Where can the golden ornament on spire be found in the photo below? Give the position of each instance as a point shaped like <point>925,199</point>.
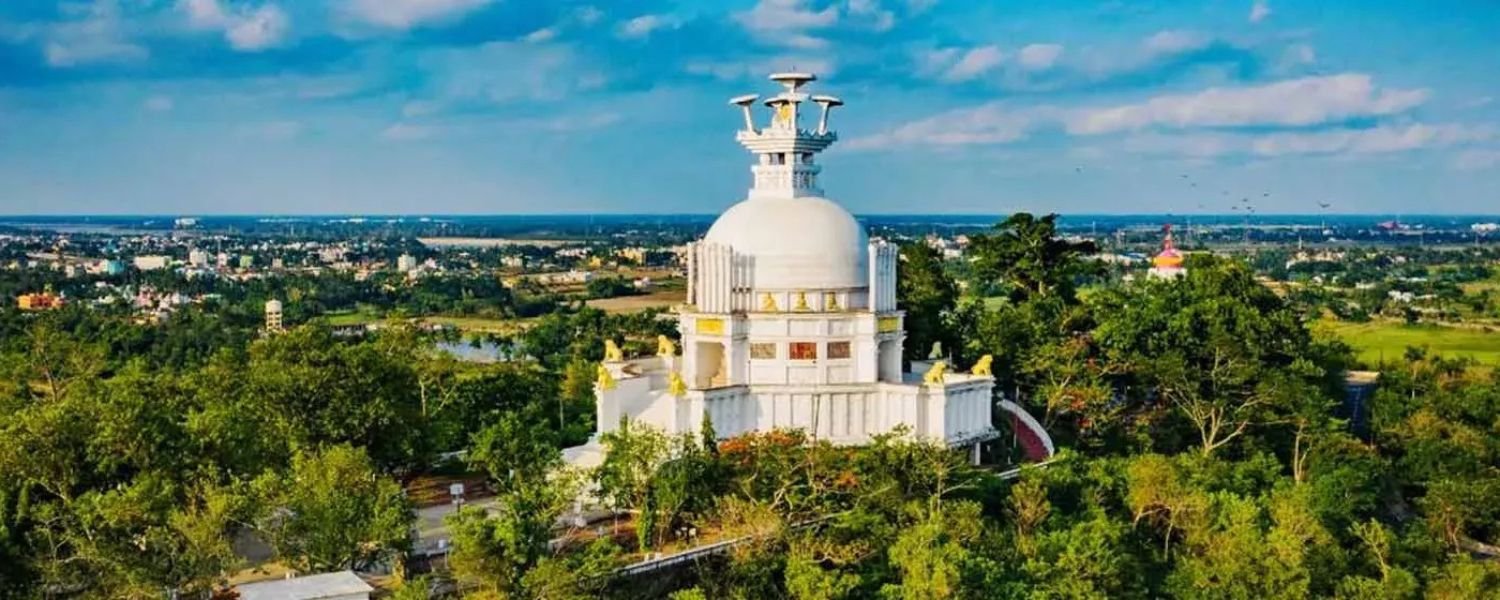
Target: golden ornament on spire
<point>604,379</point>
<point>802,302</point>
<point>665,347</point>
<point>784,114</point>
<point>675,385</point>
<point>982,367</point>
<point>934,375</point>
<point>612,352</point>
<point>830,301</point>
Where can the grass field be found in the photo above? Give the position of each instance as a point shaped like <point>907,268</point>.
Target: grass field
<point>657,299</point>
<point>1377,339</point>
<point>480,324</point>
<point>353,317</point>
<point>1474,287</point>
<point>363,317</point>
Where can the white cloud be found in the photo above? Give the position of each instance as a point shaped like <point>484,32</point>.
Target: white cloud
<point>1297,55</point>
<point>406,132</point>
<point>1296,102</point>
<point>757,68</point>
<point>787,22</point>
<point>545,34</point>
<point>1259,11</point>
<point>89,51</point>
<point>973,63</point>
<point>1383,139</point>
<point>1304,102</point>
<point>588,15</point>
<point>1039,57</point>
<point>1376,140</point>
<point>465,78</point>
<point>245,28</point>
<point>420,108</point>
<point>158,104</point>
<point>879,19</point>
<point>581,122</point>
<point>264,27</point>
<point>1477,160</point>
<point>1479,102</point>
<point>406,14</point>
<point>992,123</point>
<point>97,36</point>
<point>1175,41</point>
<point>643,26</point>
<point>271,131</point>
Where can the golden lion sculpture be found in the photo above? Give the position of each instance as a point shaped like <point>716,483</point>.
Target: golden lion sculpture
<point>665,347</point>
<point>604,379</point>
<point>982,367</point>
<point>612,352</point>
<point>935,374</point>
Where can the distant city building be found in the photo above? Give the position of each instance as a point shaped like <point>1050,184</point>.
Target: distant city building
<point>39,301</point>
<point>198,258</point>
<point>106,266</point>
<point>222,260</point>
<point>513,261</point>
<point>636,255</point>
<point>247,261</point>
<point>332,255</point>
<point>185,222</point>
<point>273,316</point>
<point>406,262</point>
<point>1167,264</point>
<point>151,263</point>
<point>568,277</point>
<point>1485,227</point>
<point>278,263</point>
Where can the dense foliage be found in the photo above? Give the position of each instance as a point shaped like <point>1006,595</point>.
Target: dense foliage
<point>1207,454</point>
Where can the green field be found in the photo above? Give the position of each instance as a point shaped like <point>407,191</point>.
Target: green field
<point>1384,339</point>
<point>343,318</point>
<point>364,316</point>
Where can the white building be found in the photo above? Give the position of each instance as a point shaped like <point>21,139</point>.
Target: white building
<point>151,263</point>
<point>273,316</point>
<point>406,263</point>
<point>791,319</point>
<point>198,258</point>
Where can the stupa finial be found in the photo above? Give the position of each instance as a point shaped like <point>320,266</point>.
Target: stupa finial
<point>784,166</point>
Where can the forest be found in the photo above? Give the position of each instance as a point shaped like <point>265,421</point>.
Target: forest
<point>1208,451</point>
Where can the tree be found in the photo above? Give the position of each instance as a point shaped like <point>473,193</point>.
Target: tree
<point>1028,259</point>
<point>334,511</point>
<point>929,296</point>
<point>931,556</point>
<point>514,453</point>
<point>1224,352</point>
<point>632,453</point>
<point>495,548</point>
<point>322,390</point>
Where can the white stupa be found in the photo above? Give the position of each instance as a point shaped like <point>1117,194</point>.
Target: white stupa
<point>790,320</point>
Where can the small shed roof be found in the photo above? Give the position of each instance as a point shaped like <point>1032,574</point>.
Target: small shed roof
<point>311,587</point>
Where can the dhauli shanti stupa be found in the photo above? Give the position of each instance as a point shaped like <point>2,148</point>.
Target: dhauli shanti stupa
<point>791,322</point>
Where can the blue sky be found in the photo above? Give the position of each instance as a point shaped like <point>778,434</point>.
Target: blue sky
<point>504,106</point>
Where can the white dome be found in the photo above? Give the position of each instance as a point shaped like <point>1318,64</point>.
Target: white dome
<point>805,243</point>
